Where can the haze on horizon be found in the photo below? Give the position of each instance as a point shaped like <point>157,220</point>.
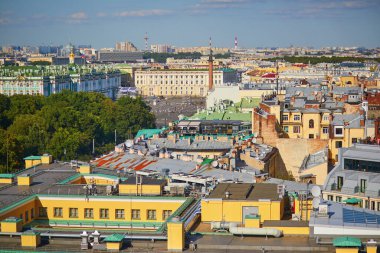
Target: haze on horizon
<point>256,23</point>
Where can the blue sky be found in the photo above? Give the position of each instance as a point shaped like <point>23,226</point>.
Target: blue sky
<point>256,23</point>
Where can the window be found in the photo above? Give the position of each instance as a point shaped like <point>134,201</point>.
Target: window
<point>338,131</point>
<point>73,212</point>
<point>340,182</point>
<point>372,205</point>
<point>42,212</point>
<point>354,140</point>
<point>361,165</point>
<point>311,123</point>
<point>286,129</point>
<point>338,144</point>
<point>104,213</point>
<point>330,197</point>
<point>296,129</point>
<point>338,199</point>
<point>89,213</point>
<point>325,130</point>
<point>21,217</point>
<point>311,136</point>
<point>151,215</point>
<point>297,118</point>
<point>285,117</point>
<point>135,214</point>
<point>325,117</point>
<point>378,206</point>
<point>26,216</point>
<point>166,214</point>
<point>58,212</point>
<point>363,185</point>
<point>119,214</point>
<point>32,213</point>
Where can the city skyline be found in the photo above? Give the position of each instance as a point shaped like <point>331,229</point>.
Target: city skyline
<point>256,23</point>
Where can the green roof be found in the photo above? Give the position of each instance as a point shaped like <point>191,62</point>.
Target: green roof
<point>352,201</point>
<point>114,238</point>
<point>148,133</point>
<point>7,175</point>
<point>207,161</point>
<point>33,157</point>
<point>12,220</point>
<point>31,232</point>
<point>347,242</point>
<point>248,136</point>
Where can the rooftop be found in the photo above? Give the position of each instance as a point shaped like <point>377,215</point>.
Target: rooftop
<point>233,191</point>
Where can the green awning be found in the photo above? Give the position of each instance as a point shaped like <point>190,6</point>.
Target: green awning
<point>114,238</point>
<point>7,175</point>
<point>352,201</point>
<point>347,242</point>
<point>33,157</point>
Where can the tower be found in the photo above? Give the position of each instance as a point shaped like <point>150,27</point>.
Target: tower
<point>71,55</point>
<point>146,41</point>
<point>236,42</point>
<point>210,69</point>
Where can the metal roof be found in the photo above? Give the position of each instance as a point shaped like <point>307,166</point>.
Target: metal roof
<point>347,242</point>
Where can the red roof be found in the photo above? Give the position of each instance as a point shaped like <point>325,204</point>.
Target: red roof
<point>269,75</point>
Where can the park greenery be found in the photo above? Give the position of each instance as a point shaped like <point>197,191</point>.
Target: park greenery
<point>65,125</point>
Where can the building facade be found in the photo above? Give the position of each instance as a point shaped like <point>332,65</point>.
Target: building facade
<point>55,79</point>
<point>179,82</point>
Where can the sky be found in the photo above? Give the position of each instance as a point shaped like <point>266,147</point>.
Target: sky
<point>184,23</point>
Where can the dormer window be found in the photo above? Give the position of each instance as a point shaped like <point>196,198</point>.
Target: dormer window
<point>338,131</point>
<point>340,183</point>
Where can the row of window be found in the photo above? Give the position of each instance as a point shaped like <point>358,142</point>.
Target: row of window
<point>104,213</point>
<point>297,129</point>
<point>367,203</point>
<point>205,76</point>
<point>297,117</point>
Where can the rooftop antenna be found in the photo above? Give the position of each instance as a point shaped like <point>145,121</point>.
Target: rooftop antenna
<point>146,38</point>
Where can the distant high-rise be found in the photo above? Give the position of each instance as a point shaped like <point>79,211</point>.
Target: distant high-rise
<point>125,47</point>
<point>161,48</point>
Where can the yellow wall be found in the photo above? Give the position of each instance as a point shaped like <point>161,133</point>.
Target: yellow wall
<point>30,240</point>
<point>140,189</point>
<point>294,230</point>
<point>114,245</point>
<point>11,227</point>
<point>176,236</point>
<point>320,172</point>
<point>347,250</point>
<point>85,169</point>
<point>46,159</point>
<point>31,163</point>
<point>252,222</point>
<point>24,180</point>
<point>6,180</point>
<point>371,249</point>
<point>112,204</point>
<point>349,133</point>
<point>21,209</point>
<point>306,211</point>
<point>232,211</point>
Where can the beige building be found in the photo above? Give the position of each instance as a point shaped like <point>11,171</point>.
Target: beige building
<point>177,82</point>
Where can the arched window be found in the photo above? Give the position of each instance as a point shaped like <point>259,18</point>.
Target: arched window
<point>311,123</point>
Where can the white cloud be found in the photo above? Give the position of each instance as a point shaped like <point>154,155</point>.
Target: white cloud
<point>143,13</point>
<point>78,16</point>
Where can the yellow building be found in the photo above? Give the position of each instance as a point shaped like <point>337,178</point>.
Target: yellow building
<point>142,186</point>
<point>234,202</point>
<point>180,82</point>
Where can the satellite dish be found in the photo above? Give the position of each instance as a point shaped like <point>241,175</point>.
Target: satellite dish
<point>215,164</point>
<point>316,191</point>
<point>316,202</point>
<point>129,143</point>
